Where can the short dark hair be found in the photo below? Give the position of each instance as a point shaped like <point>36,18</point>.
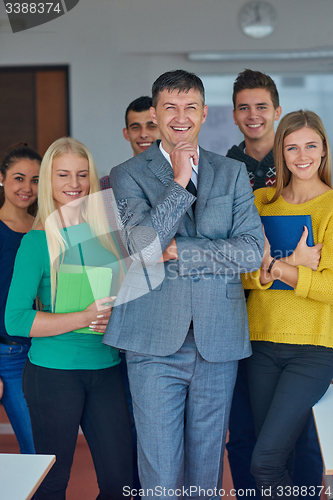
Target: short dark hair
<point>140,104</point>
<point>249,79</point>
<point>180,80</point>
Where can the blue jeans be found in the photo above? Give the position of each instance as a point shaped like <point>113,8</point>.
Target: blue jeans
<point>12,361</point>
<point>285,381</point>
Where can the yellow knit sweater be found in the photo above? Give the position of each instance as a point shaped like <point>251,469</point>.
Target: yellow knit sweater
<point>303,315</point>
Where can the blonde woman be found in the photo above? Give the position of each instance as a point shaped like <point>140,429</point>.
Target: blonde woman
<point>292,330</point>
<point>70,378</point>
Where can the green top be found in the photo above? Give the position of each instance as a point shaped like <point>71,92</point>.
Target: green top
<point>31,277</point>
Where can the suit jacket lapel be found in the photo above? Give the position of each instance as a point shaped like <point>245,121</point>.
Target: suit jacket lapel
<point>162,169</point>
<point>205,182</point>
<point>159,165</point>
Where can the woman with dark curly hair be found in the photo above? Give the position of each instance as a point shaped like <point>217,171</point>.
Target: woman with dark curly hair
<point>19,171</point>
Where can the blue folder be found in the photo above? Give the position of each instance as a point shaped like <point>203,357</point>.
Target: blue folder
<point>283,233</point>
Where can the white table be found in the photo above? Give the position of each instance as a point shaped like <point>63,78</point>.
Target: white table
<point>20,475</point>
<point>323,416</point>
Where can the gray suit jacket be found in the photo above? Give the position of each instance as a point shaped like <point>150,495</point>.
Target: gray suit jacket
<point>222,240</point>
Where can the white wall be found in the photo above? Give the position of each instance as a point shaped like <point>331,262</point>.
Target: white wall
<point>116,48</point>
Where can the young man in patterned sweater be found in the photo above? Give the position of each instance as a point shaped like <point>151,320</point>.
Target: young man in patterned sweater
<point>256,109</point>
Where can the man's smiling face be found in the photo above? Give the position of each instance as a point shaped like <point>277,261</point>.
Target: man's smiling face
<point>255,114</point>
<point>141,131</point>
<point>179,116</point>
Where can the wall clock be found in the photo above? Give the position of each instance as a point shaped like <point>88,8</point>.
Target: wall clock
<point>257,19</point>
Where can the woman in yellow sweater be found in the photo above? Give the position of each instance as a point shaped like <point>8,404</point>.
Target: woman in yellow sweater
<point>292,330</point>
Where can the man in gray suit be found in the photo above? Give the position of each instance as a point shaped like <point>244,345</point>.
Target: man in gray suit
<point>183,338</point>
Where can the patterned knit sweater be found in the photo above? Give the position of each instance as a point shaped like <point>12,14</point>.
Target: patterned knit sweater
<point>303,315</point>
<point>261,173</point>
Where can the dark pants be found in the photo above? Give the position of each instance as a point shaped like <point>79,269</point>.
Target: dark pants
<point>242,436</point>
<point>124,376</point>
<point>308,464</point>
<point>285,381</point>
<point>61,400</point>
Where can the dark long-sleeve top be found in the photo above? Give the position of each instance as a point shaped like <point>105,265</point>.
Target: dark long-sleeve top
<point>9,243</point>
<point>261,173</point>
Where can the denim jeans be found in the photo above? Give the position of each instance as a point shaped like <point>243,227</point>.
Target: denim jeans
<point>285,381</point>
<point>12,361</point>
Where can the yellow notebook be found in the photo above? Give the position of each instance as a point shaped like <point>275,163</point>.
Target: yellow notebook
<point>79,286</point>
